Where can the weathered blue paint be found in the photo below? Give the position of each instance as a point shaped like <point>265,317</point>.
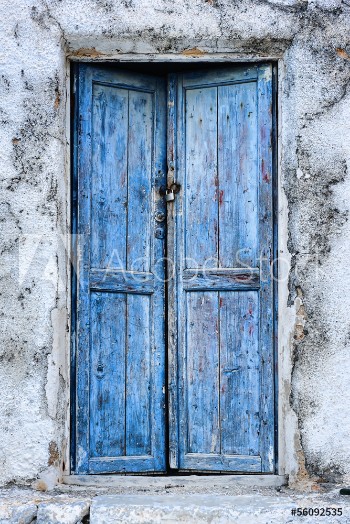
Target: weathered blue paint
<point>266,249</point>
<point>222,357</point>
<point>120,356</point>
<point>217,141</point>
<point>138,282</point>
<point>221,279</point>
<point>173,142</point>
<point>275,272</point>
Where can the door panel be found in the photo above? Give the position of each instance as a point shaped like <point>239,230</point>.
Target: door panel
<point>107,434</point>
<point>109,159</point>
<point>237,168</point>
<point>202,378</point>
<point>239,372</point>
<point>201,214</point>
<point>220,235</point>
<point>120,303</point>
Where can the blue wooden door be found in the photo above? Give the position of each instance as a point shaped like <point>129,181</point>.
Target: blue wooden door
<point>120,340</point>
<point>221,375</point>
<point>211,131</point>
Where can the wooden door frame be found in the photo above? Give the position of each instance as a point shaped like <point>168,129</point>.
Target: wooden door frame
<point>213,59</point>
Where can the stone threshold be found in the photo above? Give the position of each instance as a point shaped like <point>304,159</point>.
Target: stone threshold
<point>73,504</point>
<point>190,509</point>
<point>140,481</point>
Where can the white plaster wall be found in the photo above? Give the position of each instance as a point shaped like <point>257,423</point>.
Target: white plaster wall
<point>312,41</point>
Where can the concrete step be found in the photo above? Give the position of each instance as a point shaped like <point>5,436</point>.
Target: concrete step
<point>202,503</point>
<point>214,509</point>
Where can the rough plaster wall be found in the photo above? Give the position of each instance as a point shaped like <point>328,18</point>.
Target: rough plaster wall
<point>32,212</point>
<point>314,40</point>
<point>318,189</point>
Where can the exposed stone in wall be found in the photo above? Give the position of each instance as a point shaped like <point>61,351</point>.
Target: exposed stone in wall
<point>314,117</point>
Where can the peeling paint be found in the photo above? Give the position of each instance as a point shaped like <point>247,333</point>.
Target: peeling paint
<point>300,317</point>
<point>342,53</point>
<point>193,52</point>
<point>87,52</point>
<point>54,455</point>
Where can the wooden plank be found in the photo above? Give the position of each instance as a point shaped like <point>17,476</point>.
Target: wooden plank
<point>202,373</point>
<point>124,79</point>
<point>158,249</point>
<point>219,462</point>
<point>267,444</point>
<point>188,481</point>
<point>173,219</point>
<point>275,268</point>
<point>225,75</point>
<point>238,179</point>
<point>127,464</point>
<point>83,264</point>
<point>138,379</point>
<point>140,168</point>
<point>201,214</point>
<point>107,375</point>
<point>109,177</point>
<point>74,268</point>
<point>239,373</point>
<point>227,279</point>
<point>138,282</point>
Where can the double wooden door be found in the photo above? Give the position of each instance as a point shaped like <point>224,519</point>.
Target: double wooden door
<point>173,297</point>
